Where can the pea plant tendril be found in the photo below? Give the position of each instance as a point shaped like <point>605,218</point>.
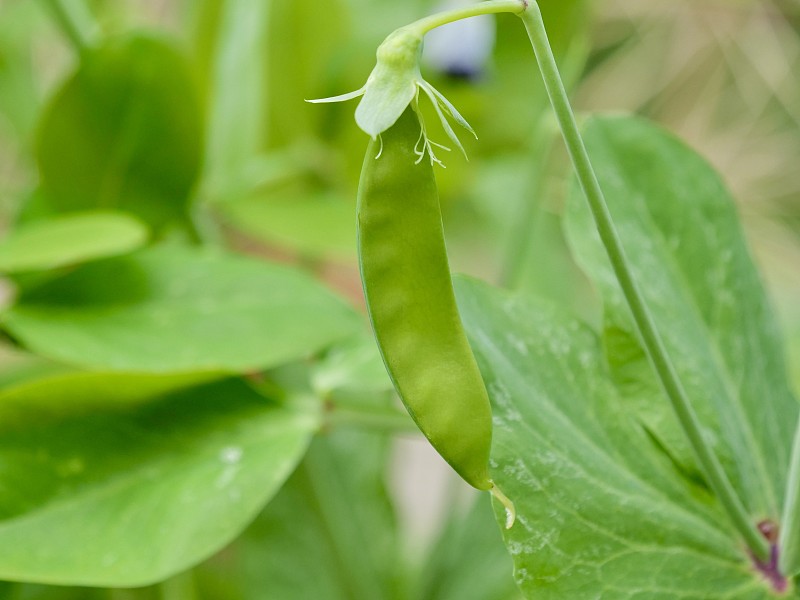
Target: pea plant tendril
<point>394,86</point>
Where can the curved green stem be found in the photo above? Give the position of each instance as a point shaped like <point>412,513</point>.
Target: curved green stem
<point>76,21</point>
<point>654,346</point>
<point>484,8</point>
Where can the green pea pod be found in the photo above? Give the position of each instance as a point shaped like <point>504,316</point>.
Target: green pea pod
<point>411,302</point>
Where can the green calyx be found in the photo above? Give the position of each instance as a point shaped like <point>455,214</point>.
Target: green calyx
<point>393,85</point>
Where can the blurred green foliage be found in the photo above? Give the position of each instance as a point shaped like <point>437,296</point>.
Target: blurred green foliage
<point>123,132</point>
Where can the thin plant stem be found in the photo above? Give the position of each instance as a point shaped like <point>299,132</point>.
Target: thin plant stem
<point>484,8</point>
<point>76,22</point>
<point>717,479</point>
<point>789,535</point>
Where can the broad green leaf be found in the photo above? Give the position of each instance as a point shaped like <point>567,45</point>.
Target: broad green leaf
<point>124,132</point>
<point>468,561</point>
<point>328,535</point>
<point>180,309</point>
<point>601,511</point>
<point>70,239</point>
<point>122,480</point>
<point>679,227</point>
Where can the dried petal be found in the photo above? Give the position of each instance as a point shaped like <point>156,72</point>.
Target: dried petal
<point>340,97</point>
<point>427,88</point>
<point>453,112</point>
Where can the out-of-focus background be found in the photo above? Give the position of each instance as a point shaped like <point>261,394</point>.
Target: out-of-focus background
<point>269,175</point>
<point>279,175</point>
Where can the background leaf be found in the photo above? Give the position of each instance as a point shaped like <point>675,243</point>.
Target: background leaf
<point>468,561</point>
<point>123,480</point>
<point>328,535</point>
<point>601,512</point>
<point>124,132</point>
<point>681,233</point>
<point>69,240</point>
<point>179,309</point>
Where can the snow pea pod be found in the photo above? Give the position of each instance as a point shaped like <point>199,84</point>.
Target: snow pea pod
<point>409,294</point>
